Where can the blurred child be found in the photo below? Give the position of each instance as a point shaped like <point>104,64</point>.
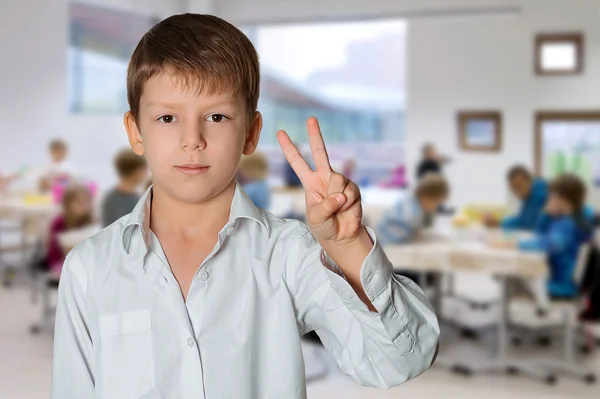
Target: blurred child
<point>76,213</point>
<point>410,215</point>
<point>532,192</point>
<point>120,201</point>
<point>431,161</point>
<point>253,170</point>
<point>59,168</point>
<point>560,234</point>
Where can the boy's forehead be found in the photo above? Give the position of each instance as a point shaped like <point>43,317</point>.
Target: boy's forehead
<point>169,85</point>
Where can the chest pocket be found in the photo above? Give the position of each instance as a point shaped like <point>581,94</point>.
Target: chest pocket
<point>124,355</point>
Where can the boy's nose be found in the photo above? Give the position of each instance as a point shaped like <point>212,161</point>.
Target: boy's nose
<point>193,139</point>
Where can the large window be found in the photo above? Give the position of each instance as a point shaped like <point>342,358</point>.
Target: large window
<point>351,76</point>
<point>101,41</point>
<point>569,141</point>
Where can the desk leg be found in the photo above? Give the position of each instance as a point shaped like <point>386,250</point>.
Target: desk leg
<point>441,361</point>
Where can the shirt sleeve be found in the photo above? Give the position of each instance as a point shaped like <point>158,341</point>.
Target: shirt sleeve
<point>512,222</point>
<point>556,240</point>
<point>375,349</point>
<point>73,364</point>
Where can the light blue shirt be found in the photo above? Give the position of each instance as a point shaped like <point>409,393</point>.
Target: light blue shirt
<point>401,223</point>
<point>123,329</point>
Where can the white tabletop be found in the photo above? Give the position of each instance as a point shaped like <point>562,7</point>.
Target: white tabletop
<point>19,206</point>
<point>465,250</point>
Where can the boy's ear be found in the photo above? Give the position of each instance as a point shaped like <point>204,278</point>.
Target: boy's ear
<point>253,134</point>
<point>134,134</point>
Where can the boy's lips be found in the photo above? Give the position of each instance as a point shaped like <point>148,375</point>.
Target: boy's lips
<point>192,169</point>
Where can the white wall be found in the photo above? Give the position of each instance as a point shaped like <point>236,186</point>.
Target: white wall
<point>487,62</point>
<point>266,11</point>
<point>33,92</point>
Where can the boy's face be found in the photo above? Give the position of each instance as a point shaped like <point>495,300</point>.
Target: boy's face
<point>430,205</point>
<point>521,186</point>
<point>81,204</point>
<point>557,205</point>
<point>192,142</point>
<point>58,154</point>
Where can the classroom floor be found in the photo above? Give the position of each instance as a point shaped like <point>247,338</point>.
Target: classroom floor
<point>25,368</point>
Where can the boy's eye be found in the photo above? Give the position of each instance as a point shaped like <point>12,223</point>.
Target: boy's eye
<point>167,119</point>
<point>217,118</point>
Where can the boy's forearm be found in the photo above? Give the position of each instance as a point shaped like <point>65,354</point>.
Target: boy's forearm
<point>350,258</point>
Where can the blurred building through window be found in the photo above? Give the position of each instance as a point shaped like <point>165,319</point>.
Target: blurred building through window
<point>101,41</point>
<point>351,76</point>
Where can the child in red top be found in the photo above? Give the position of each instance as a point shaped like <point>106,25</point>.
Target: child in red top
<point>76,214</point>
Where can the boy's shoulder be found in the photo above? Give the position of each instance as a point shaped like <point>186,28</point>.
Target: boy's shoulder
<point>101,246</point>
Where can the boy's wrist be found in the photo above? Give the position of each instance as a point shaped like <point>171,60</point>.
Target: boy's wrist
<point>347,252</point>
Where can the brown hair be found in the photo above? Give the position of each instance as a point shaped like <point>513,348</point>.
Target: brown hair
<point>128,162</point>
<point>204,51</point>
<point>75,221</point>
<point>518,170</point>
<point>572,189</point>
<point>57,144</point>
<point>255,166</point>
<point>433,185</point>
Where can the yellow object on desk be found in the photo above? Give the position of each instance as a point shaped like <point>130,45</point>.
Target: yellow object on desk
<point>476,212</point>
<point>37,199</point>
<point>461,221</point>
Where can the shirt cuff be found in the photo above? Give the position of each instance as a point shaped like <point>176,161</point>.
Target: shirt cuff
<point>375,274</point>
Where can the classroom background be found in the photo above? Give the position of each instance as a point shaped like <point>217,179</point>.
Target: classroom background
<point>465,88</point>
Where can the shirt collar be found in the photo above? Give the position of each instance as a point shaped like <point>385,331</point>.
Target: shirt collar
<point>139,219</point>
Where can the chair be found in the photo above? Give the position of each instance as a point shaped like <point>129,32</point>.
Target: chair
<point>13,225</point>
<point>561,317</point>
<point>44,283</point>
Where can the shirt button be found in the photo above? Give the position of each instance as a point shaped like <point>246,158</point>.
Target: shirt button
<point>229,230</point>
<point>204,276</point>
<point>190,342</point>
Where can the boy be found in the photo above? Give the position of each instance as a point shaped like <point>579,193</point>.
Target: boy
<point>199,294</point>
<point>431,161</point>
<point>132,170</point>
<point>533,194</point>
<point>414,212</point>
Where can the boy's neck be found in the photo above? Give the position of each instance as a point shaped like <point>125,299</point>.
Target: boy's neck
<point>189,222</point>
<point>126,187</point>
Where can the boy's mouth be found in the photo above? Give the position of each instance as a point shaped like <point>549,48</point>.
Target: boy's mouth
<point>192,169</point>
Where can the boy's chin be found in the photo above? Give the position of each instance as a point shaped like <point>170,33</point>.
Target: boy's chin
<point>195,194</point>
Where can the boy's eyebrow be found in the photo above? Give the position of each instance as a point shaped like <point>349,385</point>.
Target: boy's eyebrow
<point>157,104</point>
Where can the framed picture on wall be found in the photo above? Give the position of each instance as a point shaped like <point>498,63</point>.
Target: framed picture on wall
<point>480,131</point>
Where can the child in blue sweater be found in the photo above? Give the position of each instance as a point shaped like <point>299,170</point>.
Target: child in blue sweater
<point>561,231</point>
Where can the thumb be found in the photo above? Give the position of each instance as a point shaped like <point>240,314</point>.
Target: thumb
<point>329,206</point>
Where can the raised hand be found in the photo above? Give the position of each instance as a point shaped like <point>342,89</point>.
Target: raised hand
<point>333,206</point>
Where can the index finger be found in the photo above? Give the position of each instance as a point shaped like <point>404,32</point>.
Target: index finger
<point>292,155</point>
<point>317,145</point>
